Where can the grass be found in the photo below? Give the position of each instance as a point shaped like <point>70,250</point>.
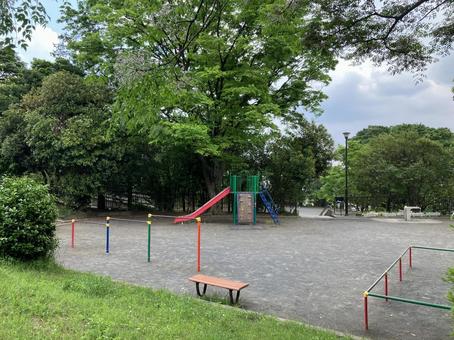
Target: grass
<point>42,300</point>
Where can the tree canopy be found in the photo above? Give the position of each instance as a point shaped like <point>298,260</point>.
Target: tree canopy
<point>208,75</point>
<point>169,97</point>
<point>389,167</point>
<point>404,34</point>
<point>18,19</point>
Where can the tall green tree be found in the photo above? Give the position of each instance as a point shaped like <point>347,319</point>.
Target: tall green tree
<point>208,75</point>
<point>16,79</point>
<point>405,165</point>
<point>293,163</point>
<point>59,131</point>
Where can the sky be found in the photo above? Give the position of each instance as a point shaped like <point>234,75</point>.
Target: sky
<point>359,95</point>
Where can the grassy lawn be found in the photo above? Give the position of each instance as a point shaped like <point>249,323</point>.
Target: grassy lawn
<point>43,300</point>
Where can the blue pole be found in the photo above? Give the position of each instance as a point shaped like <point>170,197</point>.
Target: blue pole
<point>107,234</point>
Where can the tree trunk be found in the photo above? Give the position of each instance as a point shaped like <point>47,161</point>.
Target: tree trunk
<point>101,201</point>
<point>213,171</point>
<point>129,197</point>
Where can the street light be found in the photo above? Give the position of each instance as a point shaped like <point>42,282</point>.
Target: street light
<point>346,134</point>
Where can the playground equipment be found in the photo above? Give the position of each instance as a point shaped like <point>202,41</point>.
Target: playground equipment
<point>224,193</point>
<point>244,202</point>
<point>269,204</point>
<point>107,234</point>
<point>198,221</point>
<point>368,293</point>
<point>73,233</point>
<point>244,191</point>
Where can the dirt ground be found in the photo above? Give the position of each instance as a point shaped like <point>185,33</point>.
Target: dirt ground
<point>308,269</point>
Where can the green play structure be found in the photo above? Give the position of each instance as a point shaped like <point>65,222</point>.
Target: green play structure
<point>244,190</point>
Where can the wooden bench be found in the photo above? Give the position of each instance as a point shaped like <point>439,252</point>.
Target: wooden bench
<point>218,282</point>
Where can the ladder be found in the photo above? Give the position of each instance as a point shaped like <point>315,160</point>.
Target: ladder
<point>269,204</point>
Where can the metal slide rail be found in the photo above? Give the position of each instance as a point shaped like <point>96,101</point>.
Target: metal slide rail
<point>384,276</point>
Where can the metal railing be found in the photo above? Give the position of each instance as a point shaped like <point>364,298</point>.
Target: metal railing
<point>368,293</point>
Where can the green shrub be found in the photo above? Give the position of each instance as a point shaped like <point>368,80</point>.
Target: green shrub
<point>27,219</point>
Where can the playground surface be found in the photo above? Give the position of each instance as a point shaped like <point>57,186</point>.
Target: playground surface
<point>306,269</point>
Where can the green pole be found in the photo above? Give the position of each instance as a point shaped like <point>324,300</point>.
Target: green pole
<point>414,302</point>
<point>254,201</point>
<point>149,237</point>
<point>235,208</point>
<point>432,248</point>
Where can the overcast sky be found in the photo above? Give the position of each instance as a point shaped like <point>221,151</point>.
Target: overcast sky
<point>359,95</point>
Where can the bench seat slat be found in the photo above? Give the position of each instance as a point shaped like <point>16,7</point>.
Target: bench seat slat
<point>218,282</point>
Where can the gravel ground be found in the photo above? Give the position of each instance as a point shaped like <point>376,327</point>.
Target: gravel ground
<point>307,269</point>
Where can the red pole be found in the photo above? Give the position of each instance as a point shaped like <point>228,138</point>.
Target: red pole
<point>386,285</point>
<point>72,233</point>
<point>366,316</point>
<point>409,258</point>
<point>198,219</point>
<point>400,269</point>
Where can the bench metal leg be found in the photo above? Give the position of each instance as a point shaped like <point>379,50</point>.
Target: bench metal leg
<point>231,296</point>
<point>198,290</point>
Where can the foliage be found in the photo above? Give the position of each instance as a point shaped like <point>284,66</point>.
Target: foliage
<point>441,135</point>
<point>90,306</point>
<point>295,161</point>
<point>18,19</point>
<point>208,75</point>
<point>59,131</point>
<point>398,165</point>
<point>404,165</point>
<point>12,71</point>
<point>332,184</point>
<point>27,219</point>
<point>404,34</point>
<point>16,80</point>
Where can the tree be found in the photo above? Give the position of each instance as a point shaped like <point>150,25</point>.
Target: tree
<point>18,19</point>
<point>404,34</point>
<point>332,184</point>
<point>405,165</point>
<point>59,130</point>
<point>441,135</point>
<point>206,75</point>
<point>294,162</point>
<point>12,85</point>
<point>290,172</point>
<point>395,165</point>
<point>16,79</point>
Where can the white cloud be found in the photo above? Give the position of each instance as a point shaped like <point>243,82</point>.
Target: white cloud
<point>362,95</point>
<point>41,45</point>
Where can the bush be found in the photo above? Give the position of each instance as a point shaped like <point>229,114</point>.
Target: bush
<point>27,219</point>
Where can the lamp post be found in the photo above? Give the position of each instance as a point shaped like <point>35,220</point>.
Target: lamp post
<point>346,134</point>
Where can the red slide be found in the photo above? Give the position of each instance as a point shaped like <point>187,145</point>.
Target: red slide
<point>204,207</point>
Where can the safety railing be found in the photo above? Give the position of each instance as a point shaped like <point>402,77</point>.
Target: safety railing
<point>368,293</point>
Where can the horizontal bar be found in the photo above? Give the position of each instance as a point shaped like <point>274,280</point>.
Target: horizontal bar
<point>91,222</point>
<point>386,271</point>
<point>433,248</point>
<point>127,220</point>
<point>414,302</point>
<point>62,223</point>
